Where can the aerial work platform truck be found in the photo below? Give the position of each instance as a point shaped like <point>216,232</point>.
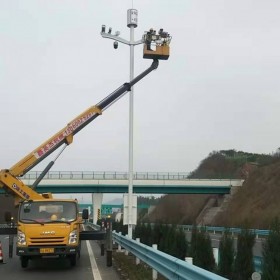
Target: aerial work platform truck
<point>48,226</point>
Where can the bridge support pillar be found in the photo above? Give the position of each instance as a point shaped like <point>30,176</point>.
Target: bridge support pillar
<point>97,202</point>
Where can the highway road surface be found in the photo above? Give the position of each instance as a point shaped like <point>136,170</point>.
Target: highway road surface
<point>90,266</point>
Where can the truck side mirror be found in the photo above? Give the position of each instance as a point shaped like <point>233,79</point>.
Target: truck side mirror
<point>8,217</point>
<point>85,214</point>
<point>26,207</point>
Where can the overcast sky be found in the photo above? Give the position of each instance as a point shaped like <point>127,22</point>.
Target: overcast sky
<point>220,88</point>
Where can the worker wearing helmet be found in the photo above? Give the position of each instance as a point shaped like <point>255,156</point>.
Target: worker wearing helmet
<point>149,39</point>
<point>53,217</point>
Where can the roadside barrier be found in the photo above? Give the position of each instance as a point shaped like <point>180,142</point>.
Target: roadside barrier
<point>167,265</point>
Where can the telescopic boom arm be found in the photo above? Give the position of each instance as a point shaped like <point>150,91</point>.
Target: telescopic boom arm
<point>66,134</point>
<point>8,178</point>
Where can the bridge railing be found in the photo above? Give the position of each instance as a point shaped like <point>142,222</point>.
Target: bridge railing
<point>167,265</point>
<point>111,175</point>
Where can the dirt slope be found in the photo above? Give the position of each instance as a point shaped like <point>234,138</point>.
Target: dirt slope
<point>257,202</point>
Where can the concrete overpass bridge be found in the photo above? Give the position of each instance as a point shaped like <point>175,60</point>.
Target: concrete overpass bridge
<point>98,183</point>
<point>117,182</point>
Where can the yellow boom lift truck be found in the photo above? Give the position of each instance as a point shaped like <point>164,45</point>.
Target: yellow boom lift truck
<point>48,226</point>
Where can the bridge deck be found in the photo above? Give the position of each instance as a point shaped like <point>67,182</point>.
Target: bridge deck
<point>117,182</point>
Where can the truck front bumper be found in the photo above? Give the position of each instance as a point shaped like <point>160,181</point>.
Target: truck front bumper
<point>47,251</point>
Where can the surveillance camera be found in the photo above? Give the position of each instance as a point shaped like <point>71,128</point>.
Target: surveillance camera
<point>116,45</point>
<point>110,30</point>
<point>103,28</point>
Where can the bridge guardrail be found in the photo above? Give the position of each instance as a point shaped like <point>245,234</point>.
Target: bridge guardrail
<point>111,175</point>
<point>169,266</point>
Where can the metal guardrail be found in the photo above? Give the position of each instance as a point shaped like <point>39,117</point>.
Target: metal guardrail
<point>6,229</point>
<point>107,175</point>
<point>93,226</point>
<point>257,232</point>
<point>168,266</point>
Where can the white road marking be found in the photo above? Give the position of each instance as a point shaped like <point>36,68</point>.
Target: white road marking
<point>94,268</point>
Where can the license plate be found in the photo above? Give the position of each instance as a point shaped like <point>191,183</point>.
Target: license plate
<point>46,250</point>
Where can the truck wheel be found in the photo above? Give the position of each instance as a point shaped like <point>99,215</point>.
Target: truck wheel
<point>24,261</point>
<point>73,259</point>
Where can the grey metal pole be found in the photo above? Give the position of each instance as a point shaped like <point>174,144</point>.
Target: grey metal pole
<point>109,242</point>
<point>131,119</point>
<point>132,21</point>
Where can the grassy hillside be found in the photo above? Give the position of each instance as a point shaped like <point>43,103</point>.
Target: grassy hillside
<point>229,164</point>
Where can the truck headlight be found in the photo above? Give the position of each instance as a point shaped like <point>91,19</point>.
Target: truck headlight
<point>21,240</point>
<point>73,237</point>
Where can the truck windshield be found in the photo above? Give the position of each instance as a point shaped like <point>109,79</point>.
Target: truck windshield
<point>47,211</point>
